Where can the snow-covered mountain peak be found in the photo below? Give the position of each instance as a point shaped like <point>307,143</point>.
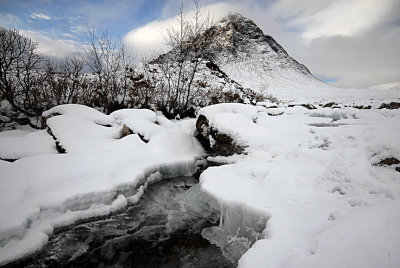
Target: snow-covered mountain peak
<point>250,57</point>
<point>234,32</point>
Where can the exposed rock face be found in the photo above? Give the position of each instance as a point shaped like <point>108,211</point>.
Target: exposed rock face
<point>216,142</point>
<point>236,34</point>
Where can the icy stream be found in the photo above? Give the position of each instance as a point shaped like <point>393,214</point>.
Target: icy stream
<point>162,230</point>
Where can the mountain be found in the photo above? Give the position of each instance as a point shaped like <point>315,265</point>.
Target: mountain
<point>238,59</point>
<point>235,37</point>
<point>250,57</point>
<point>257,61</point>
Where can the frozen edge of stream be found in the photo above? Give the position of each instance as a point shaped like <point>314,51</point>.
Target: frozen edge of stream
<point>26,240</point>
<point>239,228</point>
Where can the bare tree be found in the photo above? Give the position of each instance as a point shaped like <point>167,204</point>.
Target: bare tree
<point>72,69</point>
<point>19,63</point>
<point>180,66</point>
<point>109,60</point>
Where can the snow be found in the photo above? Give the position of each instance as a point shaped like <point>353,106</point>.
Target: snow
<point>307,191</point>
<point>97,176</point>
<point>310,176</point>
<point>387,86</point>
<point>139,121</point>
<point>15,144</point>
<point>291,86</point>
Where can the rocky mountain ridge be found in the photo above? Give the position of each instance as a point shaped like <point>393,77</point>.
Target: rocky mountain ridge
<point>236,36</point>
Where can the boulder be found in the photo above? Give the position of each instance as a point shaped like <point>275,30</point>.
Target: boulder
<point>214,141</point>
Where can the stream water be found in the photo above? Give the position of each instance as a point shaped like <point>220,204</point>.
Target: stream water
<point>162,230</point>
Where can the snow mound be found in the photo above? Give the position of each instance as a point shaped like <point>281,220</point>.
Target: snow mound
<point>15,147</point>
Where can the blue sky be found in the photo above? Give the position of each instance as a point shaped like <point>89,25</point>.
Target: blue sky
<point>64,18</point>
<point>352,43</point>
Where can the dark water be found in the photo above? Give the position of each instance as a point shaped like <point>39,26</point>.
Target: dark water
<point>162,230</point>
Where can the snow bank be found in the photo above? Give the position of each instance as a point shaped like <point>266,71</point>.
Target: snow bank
<point>310,177</point>
<point>99,174</point>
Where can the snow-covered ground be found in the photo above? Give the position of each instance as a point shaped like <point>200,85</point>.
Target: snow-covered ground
<point>100,173</point>
<point>310,175</point>
<point>387,86</point>
<point>307,192</point>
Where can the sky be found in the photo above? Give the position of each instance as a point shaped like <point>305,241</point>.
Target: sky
<point>348,43</point>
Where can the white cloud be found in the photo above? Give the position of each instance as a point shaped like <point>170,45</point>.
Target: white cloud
<point>9,20</point>
<point>68,35</point>
<point>51,47</point>
<point>334,18</point>
<point>40,16</point>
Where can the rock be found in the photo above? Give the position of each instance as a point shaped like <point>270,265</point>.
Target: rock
<point>389,162</point>
<point>330,104</point>
<point>275,113</point>
<point>215,142</point>
<point>125,131</point>
<point>361,107</point>
<point>307,106</point>
<point>391,106</point>
<point>59,147</point>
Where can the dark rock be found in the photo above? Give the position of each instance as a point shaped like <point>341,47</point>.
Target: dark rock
<point>391,106</point>
<point>330,104</point>
<point>389,162</point>
<point>8,160</point>
<point>361,107</point>
<point>106,125</point>
<point>212,66</point>
<point>307,106</point>
<point>59,147</point>
<point>397,169</point>
<point>221,144</point>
